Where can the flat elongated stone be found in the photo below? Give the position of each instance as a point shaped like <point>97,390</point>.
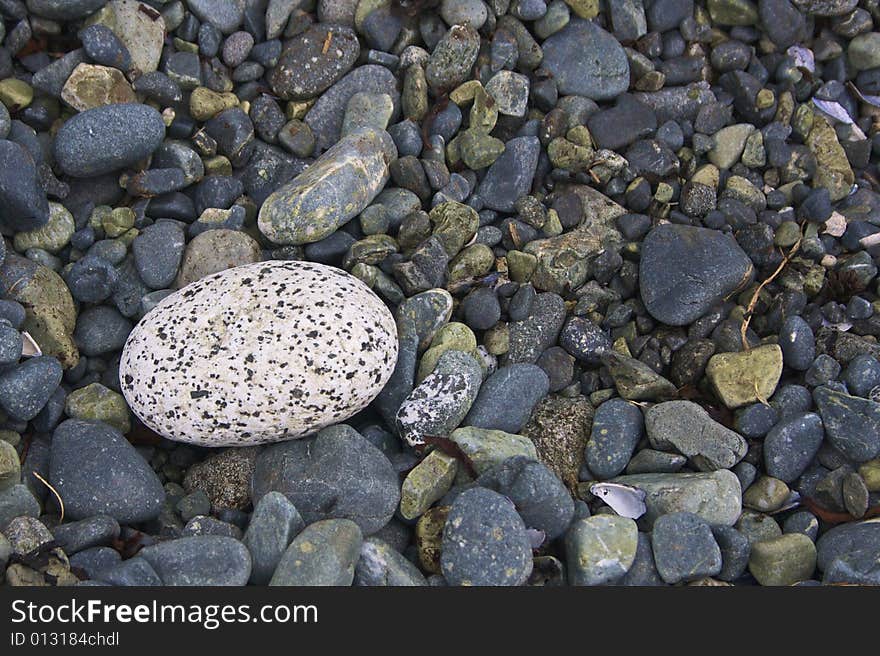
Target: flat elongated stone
<point>332,191</point>
<point>715,496</point>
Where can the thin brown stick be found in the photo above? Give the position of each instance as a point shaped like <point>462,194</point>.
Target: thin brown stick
<point>54,491</point>
<point>752,303</point>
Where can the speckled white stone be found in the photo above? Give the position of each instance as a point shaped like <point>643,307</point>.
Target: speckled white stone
<point>260,353</point>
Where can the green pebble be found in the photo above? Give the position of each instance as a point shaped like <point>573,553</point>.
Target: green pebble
<point>100,403</point>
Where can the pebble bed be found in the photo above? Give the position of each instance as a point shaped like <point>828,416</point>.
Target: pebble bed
<point>590,292</point>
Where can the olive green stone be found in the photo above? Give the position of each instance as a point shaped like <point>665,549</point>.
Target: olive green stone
<point>428,311</point>
<point>10,437</point>
<point>497,339</point>
<point>636,381</point>
<point>802,121</point>
<point>101,403</point>
<point>765,98</point>
<point>51,237</point>
<point>333,190</point>
<point>553,226</point>
<point>600,549</point>
<point>484,111</point>
<point>455,224</point>
<point>50,313</point>
<point>754,156</point>
<point>205,104</point>
<point>10,467</point>
<point>414,99</point>
<point>870,473</point>
<point>739,188</point>
<point>708,175</point>
<point>564,262</point>
<point>218,165</point>
<point>473,261</point>
<point>453,336</point>
<point>117,222</point>
<point>784,560</point>
<point>15,94</point>
<point>728,144</point>
<point>584,8</point>
<point>745,377</point>
<point>486,448</point>
<point>569,156</point>
<point>521,266</point>
<point>766,494</point>
<point>429,538</point>
<point>787,234</point>
<point>478,149</point>
<point>833,170</point>
<point>367,110</point>
<point>323,554</point>
<point>465,92</point>
<point>369,250</point>
<point>732,12</point>
<point>426,483</point>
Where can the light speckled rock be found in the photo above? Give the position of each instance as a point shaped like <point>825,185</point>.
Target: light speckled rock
<point>332,191</point>
<point>137,26</point>
<point>270,351</point>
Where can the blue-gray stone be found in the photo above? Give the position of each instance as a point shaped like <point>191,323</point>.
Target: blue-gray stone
<point>64,10</point>
<point>861,375</point>
<point>618,426</point>
<point>26,388</point>
<point>485,541</point>
<point>95,560</point>
<point>791,445</point>
<point>107,138</point>
<point>684,548</point>
<point>211,560</point>
<point>511,175</point>
<point>23,203</point>
<point>274,523</point>
<point>540,498</point>
<point>132,572</point>
<point>98,472</point>
<point>101,329</point>
<point>585,60</point>
<point>104,47</point>
<point>850,553</point>
<point>225,15</point>
<point>507,398</point>
<point>685,270</point>
<point>158,250</point>
<point>735,550</point>
<point>96,531</point>
<point>585,340</point>
<point>851,423</point>
<point>335,474</point>
<point>797,343</point>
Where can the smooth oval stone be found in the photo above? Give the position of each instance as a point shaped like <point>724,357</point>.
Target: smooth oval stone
<point>200,560</point>
<point>600,549</point>
<point>485,541</point>
<point>260,353</point>
<point>306,68</point>
<point>108,138</point>
<point>586,61</point>
<point>685,270</point>
<point>332,191</point>
<point>23,204</point>
<point>791,445</point>
<point>507,398</point>
<point>325,553</point>
<point>381,565</point>
<point>98,472</point>
<point>225,15</point>
<point>617,428</point>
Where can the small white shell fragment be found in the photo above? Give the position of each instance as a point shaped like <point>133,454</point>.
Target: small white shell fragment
<point>625,500</point>
<point>260,353</point>
<point>835,225</point>
<point>29,348</point>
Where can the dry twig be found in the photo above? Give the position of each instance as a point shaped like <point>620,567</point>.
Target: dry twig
<point>752,303</point>
<point>54,491</point>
